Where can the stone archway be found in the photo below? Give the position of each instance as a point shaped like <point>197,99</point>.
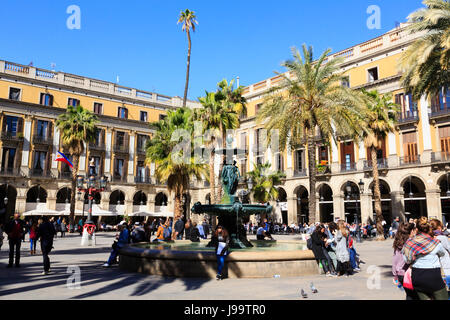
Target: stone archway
<point>444,186</point>
<point>37,194</point>
<point>302,203</point>
<point>140,198</point>
<point>352,202</point>
<point>326,203</point>
<point>386,201</point>
<point>415,198</point>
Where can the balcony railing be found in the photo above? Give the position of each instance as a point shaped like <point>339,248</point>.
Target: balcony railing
<point>121,148</point>
<point>439,110</point>
<point>323,169</point>
<point>38,139</point>
<point>440,156</point>
<point>141,151</point>
<point>65,175</point>
<point>300,172</point>
<point>118,178</point>
<point>140,179</point>
<point>409,160</point>
<point>11,172</point>
<point>97,146</point>
<point>381,164</point>
<point>408,116</point>
<point>40,173</point>
<point>12,136</point>
<point>346,167</point>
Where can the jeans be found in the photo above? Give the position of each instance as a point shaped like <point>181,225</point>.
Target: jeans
<point>333,257</point>
<point>14,243</point>
<point>220,264</point>
<point>353,263</point>
<point>33,243</point>
<point>46,247</point>
<point>180,236</point>
<point>113,256</point>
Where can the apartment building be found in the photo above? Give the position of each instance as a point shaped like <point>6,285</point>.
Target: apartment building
<point>413,161</point>
<point>31,99</point>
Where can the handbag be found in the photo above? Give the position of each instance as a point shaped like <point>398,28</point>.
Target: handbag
<point>407,280</point>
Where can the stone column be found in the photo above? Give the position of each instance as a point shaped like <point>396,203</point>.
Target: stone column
<point>82,167</point>
<point>392,156</point>
<point>26,150</point>
<point>366,207</point>
<point>130,178</point>
<point>434,204</point>
<point>250,149</point>
<point>318,217</point>
<point>426,131</point>
<point>289,165</point>
<point>334,161</point>
<point>398,205</point>
<point>51,203</point>
<point>108,153</point>
<point>338,206</point>
<point>292,209</point>
<point>56,138</point>
<point>128,206</point>
<point>362,156</point>
<point>21,203</point>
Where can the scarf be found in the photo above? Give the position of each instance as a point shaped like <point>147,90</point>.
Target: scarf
<point>421,245</point>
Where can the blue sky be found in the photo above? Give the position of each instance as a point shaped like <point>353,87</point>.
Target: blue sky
<point>140,42</point>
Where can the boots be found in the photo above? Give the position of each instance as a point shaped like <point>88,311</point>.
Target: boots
<point>31,252</point>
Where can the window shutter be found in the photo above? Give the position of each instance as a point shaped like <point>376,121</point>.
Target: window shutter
<point>50,129</point>
<point>20,125</point>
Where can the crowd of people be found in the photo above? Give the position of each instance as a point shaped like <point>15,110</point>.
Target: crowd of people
<point>421,261</point>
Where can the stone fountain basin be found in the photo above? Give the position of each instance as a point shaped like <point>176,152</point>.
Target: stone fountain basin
<point>241,263</point>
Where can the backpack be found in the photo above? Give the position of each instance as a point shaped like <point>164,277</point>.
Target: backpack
<point>309,243</point>
<point>166,234</point>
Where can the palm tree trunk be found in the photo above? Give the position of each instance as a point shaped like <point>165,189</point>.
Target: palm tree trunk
<point>187,70</point>
<point>212,178</point>
<point>377,194</point>
<point>178,210</point>
<point>312,178</point>
<point>76,160</point>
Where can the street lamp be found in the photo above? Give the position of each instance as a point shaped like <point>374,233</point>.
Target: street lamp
<point>448,187</point>
<point>91,190</point>
<point>411,194</point>
<point>5,200</point>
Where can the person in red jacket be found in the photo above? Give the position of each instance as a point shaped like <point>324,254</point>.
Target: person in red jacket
<point>33,238</point>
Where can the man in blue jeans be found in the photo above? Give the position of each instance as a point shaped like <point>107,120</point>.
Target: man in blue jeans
<point>121,241</point>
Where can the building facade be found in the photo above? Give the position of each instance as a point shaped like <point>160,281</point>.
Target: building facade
<point>31,99</point>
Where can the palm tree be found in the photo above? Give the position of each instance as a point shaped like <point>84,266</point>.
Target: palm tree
<point>235,105</point>
<point>77,126</point>
<point>381,118</point>
<point>265,182</point>
<point>426,61</point>
<point>214,117</point>
<point>188,19</point>
<point>164,150</point>
<point>313,99</point>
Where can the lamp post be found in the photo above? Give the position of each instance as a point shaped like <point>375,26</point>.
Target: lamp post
<point>91,190</point>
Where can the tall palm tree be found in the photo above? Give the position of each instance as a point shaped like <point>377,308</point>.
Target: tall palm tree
<point>381,118</point>
<point>188,19</point>
<point>165,153</point>
<point>77,126</point>
<point>313,99</point>
<point>426,61</point>
<point>265,182</point>
<point>235,105</point>
<point>214,116</point>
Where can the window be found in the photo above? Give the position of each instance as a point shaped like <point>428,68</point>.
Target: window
<point>410,147</point>
<point>98,108</point>
<point>141,171</point>
<point>40,162</point>
<point>14,94</point>
<point>345,82</point>
<point>73,102</point>
<point>42,128</point>
<point>408,107</point>
<point>119,168</point>
<point>444,136</point>
<point>122,113</point>
<point>98,166</point>
<point>299,160</point>
<point>141,142</point>
<point>8,159</point>
<point>323,153</point>
<point>11,125</point>
<point>46,99</point>
<point>162,117</point>
<point>120,138</point>
<point>279,162</point>
<point>373,74</point>
<point>144,116</point>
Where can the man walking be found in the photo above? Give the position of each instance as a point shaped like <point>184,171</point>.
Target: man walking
<point>15,230</point>
<point>179,228</point>
<point>46,232</point>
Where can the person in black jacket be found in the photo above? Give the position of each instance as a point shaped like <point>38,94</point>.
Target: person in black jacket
<point>15,230</point>
<point>221,242</point>
<point>46,232</point>
<point>318,248</point>
<point>179,228</point>
<point>195,234</point>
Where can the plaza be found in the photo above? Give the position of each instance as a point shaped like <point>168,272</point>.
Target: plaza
<point>114,284</point>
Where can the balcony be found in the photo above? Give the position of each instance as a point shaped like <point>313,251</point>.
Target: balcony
<point>65,175</point>
<point>10,172</point>
<point>300,172</point>
<point>40,173</point>
<point>439,111</point>
<point>97,146</point>
<point>408,116</point>
<point>440,157</point>
<point>43,140</point>
<point>409,160</point>
<point>143,180</point>
<point>12,136</point>
<point>121,148</point>
<point>118,178</point>
<point>348,167</point>
<point>140,151</point>
<point>381,164</point>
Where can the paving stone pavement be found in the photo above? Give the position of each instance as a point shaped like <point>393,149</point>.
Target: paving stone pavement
<point>113,284</point>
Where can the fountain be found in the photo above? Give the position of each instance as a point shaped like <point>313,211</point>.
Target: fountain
<point>248,259</point>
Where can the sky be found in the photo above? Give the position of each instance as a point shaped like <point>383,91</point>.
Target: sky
<point>140,44</point>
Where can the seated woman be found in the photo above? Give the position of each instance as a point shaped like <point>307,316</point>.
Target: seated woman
<point>261,234</point>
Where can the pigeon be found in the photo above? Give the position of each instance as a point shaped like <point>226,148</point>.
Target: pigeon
<point>304,295</point>
<point>313,289</point>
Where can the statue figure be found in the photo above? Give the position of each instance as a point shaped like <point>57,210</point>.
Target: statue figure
<point>92,167</point>
<point>230,178</point>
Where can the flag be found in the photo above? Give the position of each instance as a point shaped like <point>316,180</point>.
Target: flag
<point>61,157</point>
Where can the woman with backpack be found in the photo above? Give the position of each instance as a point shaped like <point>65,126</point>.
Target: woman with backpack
<point>163,233</point>
<point>221,241</point>
<point>422,252</point>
